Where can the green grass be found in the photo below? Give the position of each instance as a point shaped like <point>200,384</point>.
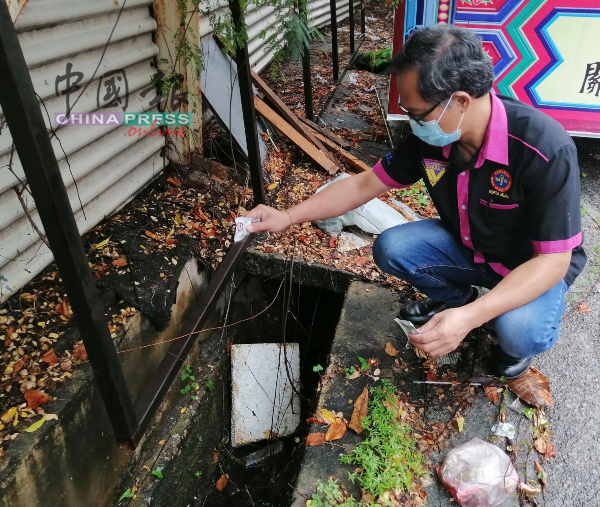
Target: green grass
<point>417,195</point>
<point>331,494</point>
<point>389,456</point>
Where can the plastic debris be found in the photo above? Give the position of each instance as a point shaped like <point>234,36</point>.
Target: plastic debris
<point>478,474</point>
<point>348,241</point>
<point>263,456</point>
<point>373,217</point>
<point>406,209</point>
<point>505,430</point>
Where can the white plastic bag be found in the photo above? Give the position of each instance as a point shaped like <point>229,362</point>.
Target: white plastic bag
<point>478,474</point>
<point>373,217</point>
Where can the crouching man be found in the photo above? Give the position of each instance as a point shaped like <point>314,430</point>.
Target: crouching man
<point>505,180</point>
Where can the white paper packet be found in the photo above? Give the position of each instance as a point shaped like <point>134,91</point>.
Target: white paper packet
<point>240,227</point>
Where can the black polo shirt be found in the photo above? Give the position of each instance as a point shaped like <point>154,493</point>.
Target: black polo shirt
<point>519,195</point>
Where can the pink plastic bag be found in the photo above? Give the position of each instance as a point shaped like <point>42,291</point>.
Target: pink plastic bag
<point>478,474</point>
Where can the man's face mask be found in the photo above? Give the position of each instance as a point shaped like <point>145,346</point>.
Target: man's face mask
<point>431,132</point>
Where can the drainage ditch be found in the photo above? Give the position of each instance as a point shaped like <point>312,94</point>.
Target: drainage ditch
<point>264,473</point>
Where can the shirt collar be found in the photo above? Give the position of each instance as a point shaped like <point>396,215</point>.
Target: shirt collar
<point>495,144</point>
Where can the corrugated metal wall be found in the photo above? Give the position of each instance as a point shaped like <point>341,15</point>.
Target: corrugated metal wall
<point>109,166</point>
<point>264,18</point>
<point>93,38</point>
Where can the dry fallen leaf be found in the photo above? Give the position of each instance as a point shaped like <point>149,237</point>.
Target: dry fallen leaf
<point>336,430</point>
<point>222,482</point>
<point>315,439</point>
<point>492,393</point>
<point>64,309</point>
<point>50,357</point>
<point>80,353</point>
<point>530,490</point>
<point>540,473</point>
<point>174,181</point>
<point>361,410</point>
<point>151,235</point>
<point>583,308</point>
<point>119,263</point>
<point>390,350</point>
<point>550,450</point>
<point>324,416</point>
<point>460,423</point>
<point>533,388</point>
<point>35,398</point>
<point>540,445</point>
<point>215,456</point>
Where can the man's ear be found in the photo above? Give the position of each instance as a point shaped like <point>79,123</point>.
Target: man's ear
<point>462,100</point>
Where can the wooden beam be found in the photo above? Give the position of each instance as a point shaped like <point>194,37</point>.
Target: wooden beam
<point>327,133</point>
<point>288,131</point>
<point>289,116</point>
<point>346,156</point>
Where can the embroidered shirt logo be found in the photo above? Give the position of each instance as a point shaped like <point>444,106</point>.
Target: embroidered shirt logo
<point>501,180</point>
<point>435,169</point>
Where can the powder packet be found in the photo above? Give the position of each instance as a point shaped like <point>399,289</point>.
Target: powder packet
<point>240,227</point>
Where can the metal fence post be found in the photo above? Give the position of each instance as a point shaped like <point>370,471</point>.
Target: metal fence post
<point>306,75</point>
<point>26,124</point>
<point>334,40</point>
<point>247,96</point>
<point>363,21</point>
<point>351,14</point>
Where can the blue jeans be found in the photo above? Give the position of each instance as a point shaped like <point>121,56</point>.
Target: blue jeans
<point>428,257</point>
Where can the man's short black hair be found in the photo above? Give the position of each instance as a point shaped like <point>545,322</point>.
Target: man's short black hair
<point>449,59</point>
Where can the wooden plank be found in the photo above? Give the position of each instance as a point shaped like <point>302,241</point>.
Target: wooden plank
<point>289,116</point>
<point>346,156</point>
<point>327,133</point>
<point>288,131</point>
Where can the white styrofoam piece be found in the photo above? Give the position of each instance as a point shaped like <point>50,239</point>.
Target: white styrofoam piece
<point>263,399</point>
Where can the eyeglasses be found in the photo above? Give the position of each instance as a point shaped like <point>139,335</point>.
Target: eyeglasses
<point>418,118</point>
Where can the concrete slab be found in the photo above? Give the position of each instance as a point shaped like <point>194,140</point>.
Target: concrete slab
<point>366,324</point>
<point>262,385</point>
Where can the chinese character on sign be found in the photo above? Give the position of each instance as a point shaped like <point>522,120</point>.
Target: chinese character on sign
<point>591,81</point>
<point>70,86</point>
<point>178,98</point>
<point>155,100</point>
<point>116,91</point>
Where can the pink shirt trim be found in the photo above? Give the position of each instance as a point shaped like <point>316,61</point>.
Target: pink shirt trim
<point>499,268</point>
<point>385,177</point>
<point>530,147</point>
<point>495,144</point>
<point>462,190</point>
<point>561,245</point>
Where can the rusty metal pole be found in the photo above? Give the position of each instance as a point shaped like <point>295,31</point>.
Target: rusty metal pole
<point>247,96</point>
<point>363,21</point>
<point>351,14</point>
<point>28,130</point>
<point>334,40</point>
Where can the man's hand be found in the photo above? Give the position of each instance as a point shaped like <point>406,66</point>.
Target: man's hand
<point>443,333</point>
<point>272,220</point>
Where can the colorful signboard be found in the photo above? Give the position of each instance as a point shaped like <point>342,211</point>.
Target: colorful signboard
<point>545,52</point>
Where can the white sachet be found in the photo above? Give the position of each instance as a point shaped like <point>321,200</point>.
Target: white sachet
<point>240,227</point>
